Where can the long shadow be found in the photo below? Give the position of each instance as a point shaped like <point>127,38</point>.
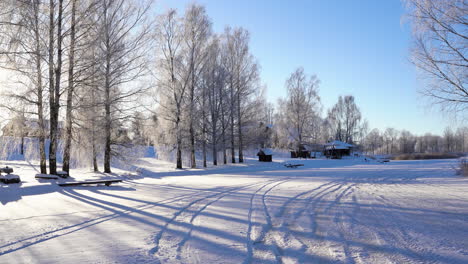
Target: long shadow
<point>14,192</point>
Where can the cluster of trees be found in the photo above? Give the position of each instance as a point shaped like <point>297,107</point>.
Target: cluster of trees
<point>85,70</point>
<point>392,141</point>
<point>207,88</point>
<point>71,61</point>
<point>299,118</point>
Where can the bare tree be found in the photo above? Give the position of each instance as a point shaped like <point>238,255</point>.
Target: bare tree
<point>124,34</point>
<point>441,49</point>
<point>171,91</point>
<point>301,105</point>
<point>197,29</point>
<point>70,90</point>
<point>23,53</point>
<point>243,76</point>
<point>213,83</point>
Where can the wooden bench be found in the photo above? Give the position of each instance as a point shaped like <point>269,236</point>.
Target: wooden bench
<point>288,165</point>
<point>106,182</point>
<point>46,176</point>
<point>6,170</point>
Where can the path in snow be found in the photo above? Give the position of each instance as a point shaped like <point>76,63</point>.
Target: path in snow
<point>325,212</point>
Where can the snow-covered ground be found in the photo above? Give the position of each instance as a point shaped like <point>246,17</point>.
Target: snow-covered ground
<point>328,211</point>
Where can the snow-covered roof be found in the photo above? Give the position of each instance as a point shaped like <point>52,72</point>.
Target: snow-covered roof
<point>266,151</point>
<point>338,145</point>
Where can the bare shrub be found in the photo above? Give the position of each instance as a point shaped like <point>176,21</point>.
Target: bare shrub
<point>424,156</point>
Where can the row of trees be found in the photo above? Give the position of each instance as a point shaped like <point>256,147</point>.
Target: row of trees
<point>96,63</point>
<point>75,57</point>
<point>392,141</point>
<point>207,88</point>
<point>299,117</point>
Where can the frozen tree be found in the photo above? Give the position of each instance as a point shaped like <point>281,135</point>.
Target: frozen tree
<point>23,52</point>
<point>81,63</point>
<point>213,83</point>
<point>344,118</point>
<point>171,91</point>
<point>449,140</point>
<point>374,140</point>
<point>407,142</point>
<point>300,108</point>
<point>196,31</point>
<point>440,49</point>
<point>390,137</point>
<point>242,79</point>
<point>123,35</point>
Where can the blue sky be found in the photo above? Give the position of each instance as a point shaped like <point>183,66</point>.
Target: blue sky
<point>354,47</point>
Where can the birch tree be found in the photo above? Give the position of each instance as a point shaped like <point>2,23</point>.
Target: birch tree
<point>197,29</point>
<point>171,91</point>
<point>301,105</point>
<point>243,75</point>
<point>440,49</point>
<point>123,37</point>
<point>23,52</point>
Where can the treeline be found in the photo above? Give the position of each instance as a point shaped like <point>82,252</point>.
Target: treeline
<point>206,88</point>
<point>74,66</point>
<point>98,75</point>
<point>392,141</point>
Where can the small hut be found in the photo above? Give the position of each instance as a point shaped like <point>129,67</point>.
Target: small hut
<point>265,155</point>
<point>304,152</point>
<point>337,149</point>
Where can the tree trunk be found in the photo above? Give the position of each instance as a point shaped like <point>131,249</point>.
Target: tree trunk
<point>55,105</point>
<point>52,147</point>
<point>22,146</point>
<point>239,124</point>
<point>40,106</point>
<point>107,148</point>
<point>233,154</point>
<point>223,136</point>
<point>68,131</point>
<point>95,164</point>
<point>213,140</point>
<point>179,152</point>
<point>204,127</point>
<point>193,161</point>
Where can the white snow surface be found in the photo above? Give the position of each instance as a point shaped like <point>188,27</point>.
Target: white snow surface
<point>328,211</point>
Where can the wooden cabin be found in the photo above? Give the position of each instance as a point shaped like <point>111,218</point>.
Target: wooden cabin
<point>337,149</point>
<point>265,155</point>
<point>304,152</point>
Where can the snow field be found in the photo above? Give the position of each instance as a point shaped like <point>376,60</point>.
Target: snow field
<point>329,211</point>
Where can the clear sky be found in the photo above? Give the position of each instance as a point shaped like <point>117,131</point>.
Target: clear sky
<point>355,47</point>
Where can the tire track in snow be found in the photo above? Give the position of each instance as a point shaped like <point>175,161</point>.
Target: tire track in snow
<point>339,193</point>
<point>272,233</point>
<point>197,213</point>
<point>265,228</point>
<point>249,241</point>
<point>157,240</point>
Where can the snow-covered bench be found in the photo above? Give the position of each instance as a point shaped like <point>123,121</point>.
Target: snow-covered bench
<point>6,170</point>
<point>10,178</point>
<point>106,182</point>
<point>289,165</point>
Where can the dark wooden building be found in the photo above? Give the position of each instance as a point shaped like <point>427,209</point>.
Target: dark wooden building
<point>265,155</point>
<point>337,149</point>
<point>304,151</point>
